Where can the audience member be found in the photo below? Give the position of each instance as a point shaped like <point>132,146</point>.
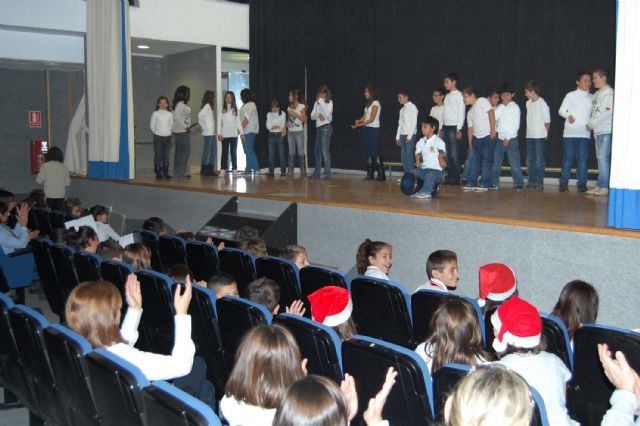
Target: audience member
<point>137,255</point>
<point>332,306</point>
<point>54,175</point>
<point>255,246</point>
<point>498,283</point>
<point>84,238</point>
<point>101,216</point>
<point>374,259</point>
<point>297,254</point>
<point>73,207</point>
<point>578,304</point>
<point>442,271</point>
<point>223,284</point>
<point>625,400</point>
<point>266,292</point>
<point>18,237</point>
<point>110,250</point>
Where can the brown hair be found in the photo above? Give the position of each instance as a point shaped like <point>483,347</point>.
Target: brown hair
<point>366,249</point>
<point>93,311</point>
<point>578,304</point>
<point>323,89</point>
<point>373,93</point>
<point>470,91</point>
<point>264,291</point>
<point>137,255</point>
<point>532,86</point>
<point>454,335</point>
<point>292,251</point>
<point>313,401</point>
<point>255,246</point>
<point>346,329</point>
<point>209,97</point>
<point>267,363</point>
<point>439,259</point>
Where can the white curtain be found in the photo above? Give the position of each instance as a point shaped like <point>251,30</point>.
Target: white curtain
<point>75,155</point>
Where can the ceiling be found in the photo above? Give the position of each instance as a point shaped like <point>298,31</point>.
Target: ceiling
<point>161,47</point>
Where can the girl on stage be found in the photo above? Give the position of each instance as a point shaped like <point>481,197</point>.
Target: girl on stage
<point>181,131</point>
<point>250,126</point>
<point>207,123</point>
<point>230,128</point>
<point>275,125</point>
<point>370,120</point>
<point>322,113</point>
<point>296,117</point>
<point>161,125</point>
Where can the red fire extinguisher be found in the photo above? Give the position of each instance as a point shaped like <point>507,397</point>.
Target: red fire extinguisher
<point>38,150</point>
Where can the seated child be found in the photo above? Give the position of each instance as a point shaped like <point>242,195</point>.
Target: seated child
<point>38,199</point>
<point>137,255</point>
<point>246,232</point>
<point>332,306</point>
<point>625,400</point>
<point>442,270</point>
<point>101,216</point>
<point>110,250</point>
<point>179,273</point>
<point>85,238</point>
<point>374,259</point>
<point>155,224</point>
<point>223,284</point>
<point>578,304</point>
<point>429,158</point>
<point>266,292</point>
<point>73,206</point>
<point>255,246</point>
<point>16,238</point>
<point>297,254</point>
<point>498,283</point>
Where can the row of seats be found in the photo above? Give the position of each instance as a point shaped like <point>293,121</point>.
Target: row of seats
<point>46,221</point>
<point>55,373</point>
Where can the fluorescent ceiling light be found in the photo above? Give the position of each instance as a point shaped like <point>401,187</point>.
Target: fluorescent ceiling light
<point>142,46</point>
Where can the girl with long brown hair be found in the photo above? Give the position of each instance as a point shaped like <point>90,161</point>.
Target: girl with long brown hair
<point>296,117</point>
<point>322,113</point>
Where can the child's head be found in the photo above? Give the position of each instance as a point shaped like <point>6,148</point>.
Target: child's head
<point>267,363</point>
<point>490,395</point>
<point>223,284</point>
<point>154,224</point>
<point>255,246</point>
<point>110,250</point>
<point>186,235</point>
<point>182,94</point>
<point>39,199</point>
<point>403,96</point>
<point>275,105</point>
<point>266,292</point>
<point>179,272</point>
<point>450,81</point>
<point>443,266</point>
<point>229,100</point>
<point>137,255</point>
<point>323,93</point>
<point>4,212</point>
<point>429,126</point>
<point>507,93</point>
<point>72,206</point>
<point>532,90</point>
<point>84,238</point>
<point>246,95</point>
<point>8,198</point>
<point>297,254</point>
<point>498,283</point>
<point>455,335</point>
<point>246,232</point>
<point>59,236</point>
<point>493,97</point>
<point>332,307</point>
<point>583,80</point>
<point>294,96</point>
<point>578,304</point>
<point>54,154</point>
<point>374,253</point>
<point>469,95</point>
<point>100,213</point>
<point>438,95</point>
<point>163,103</point>
<point>313,401</point>
<point>517,328</point>
<point>209,97</point>
<point>93,311</point>
<point>371,92</point>
<point>600,77</point>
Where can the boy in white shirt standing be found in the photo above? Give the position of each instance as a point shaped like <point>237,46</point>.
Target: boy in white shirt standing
<point>437,111</point>
<point>406,134</point>
<point>481,121</point>
<point>430,158</point>
<point>538,124</point>
<point>576,110</point>
<point>601,123</point>
<point>508,124</point>
<point>452,122</point>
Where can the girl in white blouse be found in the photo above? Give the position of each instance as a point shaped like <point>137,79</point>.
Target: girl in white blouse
<point>250,128</point>
<point>322,113</point>
<point>230,129</point>
<point>207,122</point>
<point>296,117</point>
<point>370,122</point>
<point>161,125</point>
<point>374,259</point>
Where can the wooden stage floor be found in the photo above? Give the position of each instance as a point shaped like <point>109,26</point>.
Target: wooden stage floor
<point>549,209</point>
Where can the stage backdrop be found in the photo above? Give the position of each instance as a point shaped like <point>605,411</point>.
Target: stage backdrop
<point>411,44</point>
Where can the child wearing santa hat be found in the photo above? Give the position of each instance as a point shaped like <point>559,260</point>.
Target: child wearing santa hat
<point>518,341</point>
<point>332,307</point>
<point>498,283</point>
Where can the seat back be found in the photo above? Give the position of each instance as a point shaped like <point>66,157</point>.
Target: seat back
<point>62,258</point>
<point>319,344</point>
<point>167,405</point>
<point>313,278</point>
<point>42,220</point>
<point>48,278</point>
<point>589,390</point>
<point>424,304</point>
<point>117,387</point>
<point>240,264</point>
<point>87,266</point>
<point>556,338</point>
<point>172,250</point>
<point>157,321</point>
<point>150,239</point>
<point>382,309</point>
<point>236,316</point>
<point>56,219</point>
<point>285,273</point>
<point>116,273</point>
<point>67,351</point>
<point>539,417</point>
<point>489,336</point>
<point>202,259</point>
<point>445,380</point>
<point>367,360</point>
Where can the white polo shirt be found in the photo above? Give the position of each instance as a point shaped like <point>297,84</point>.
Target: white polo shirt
<point>537,116</point>
<point>430,151</point>
<point>478,118</point>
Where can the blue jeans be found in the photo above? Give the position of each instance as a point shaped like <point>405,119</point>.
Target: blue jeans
<point>181,154</point>
<point>578,149</point>
<point>229,146</point>
<point>276,143</point>
<point>252,159</point>
<point>467,164</point>
<point>430,177</point>
<point>209,151</point>
<point>513,155</point>
<point>322,150</point>
<point>603,153</point>
<point>535,161</point>
<point>408,153</point>
<point>453,153</point>
<point>371,137</point>
<point>482,161</point>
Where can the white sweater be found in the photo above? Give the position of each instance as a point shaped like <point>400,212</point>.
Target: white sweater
<point>375,272</point>
<point>508,121</point>
<point>181,118</point>
<point>324,108</point>
<point>238,413</point>
<point>161,122</point>
<point>408,120</point>
<point>55,177</point>
<point>602,111</point>
<point>230,125</point>
<point>578,104</point>
<point>277,119</point>
<point>623,407</point>
<point>105,231</point>
<point>454,110</point>
<point>206,121</point>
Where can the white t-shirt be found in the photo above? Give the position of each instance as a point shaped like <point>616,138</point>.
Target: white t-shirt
<point>508,121</point>
<point>367,114</point>
<point>206,121</point>
<point>324,108</point>
<point>547,374</point>
<point>250,112</point>
<point>294,124</point>
<point>578,104</point>
<point>55,177</point>
<point>453,114</point>
<point>430,151</point>
<point>230,125</point>
<point>408,120</point>
<point>374,272</point>
<point>161,122</point>
<point>238,413</point>
<point>478,118</point>
<point>278,119</point>
<point>602,111</point>
<point>537,116</point>
<point>181,118</point>
<point>437,112</point>
<point>105,231</point>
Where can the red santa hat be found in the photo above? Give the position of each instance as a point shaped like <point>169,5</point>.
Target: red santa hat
<point>331,305</point>
<point>497,282</point>
<point>517,323</point>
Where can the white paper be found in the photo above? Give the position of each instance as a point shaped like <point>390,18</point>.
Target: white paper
<point>83,221</point>
<point>125,240</point>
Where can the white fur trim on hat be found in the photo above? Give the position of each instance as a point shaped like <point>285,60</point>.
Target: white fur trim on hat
<point>510,339</point>
<point>340,317</point>
<point>500,297</point>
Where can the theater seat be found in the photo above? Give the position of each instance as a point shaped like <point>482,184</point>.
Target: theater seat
<point>319,344</point>
<point>16,272</point>
<point>157,321</point>
<point>382,310</point>
<point>172,250</point>
<point>168,406</point>
<point>445,380</point>
<point>42,220</point>
<point>557,339</point>
<point>116,273</point>
<point>240,264</point>
<point>67,351</point>
<point>87,266</point>
<point>202,259</point>
<point>56,219</point>
<point>410,401</point>
<point>489,336</point>
<point>150,239</point>
<point>313,278</point>
<point>62,258</point>
<point>589,391</point>
<point>48,278</point>
<point>539,417</point>
<point>117,387</point>
<point>285,273</point>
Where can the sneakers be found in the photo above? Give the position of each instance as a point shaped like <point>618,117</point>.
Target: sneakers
<point>564,187</point>
<point>468,188</point>
<point>421,196</point>
<point>518,188</point>
<point>481,189</point>
<point>493,188</point>
<point>598,191</point>
<point>582,188</point>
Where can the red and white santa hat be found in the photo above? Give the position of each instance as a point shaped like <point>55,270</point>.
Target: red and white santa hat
<point>497,282</point>
<point>331,305</point>
<point>517,323</point>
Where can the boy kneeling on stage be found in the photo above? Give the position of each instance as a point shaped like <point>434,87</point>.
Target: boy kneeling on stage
<point>430,158</point>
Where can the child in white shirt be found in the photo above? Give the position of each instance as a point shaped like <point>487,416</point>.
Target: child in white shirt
<point>322,113</point>
<point>406,134</point>
<point>430,163</point>
<point>374,259</point>
<point>437,111</point>
<point>538,124</point>
<point>481,130</point>
<point>207,122</point>
<point>276,120</point>
<point>508,124</point>
<point>104,230</point>
<point>182,131</point>
<point>601,122</point>
<point>161,125</point>
<point>452,123</point>
<point>230,129</point>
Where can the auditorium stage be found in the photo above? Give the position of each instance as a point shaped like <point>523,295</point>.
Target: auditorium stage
<point>548,210</point>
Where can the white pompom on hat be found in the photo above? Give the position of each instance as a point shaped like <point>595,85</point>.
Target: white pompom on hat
<point>498,282</point>
<point>331,305</point>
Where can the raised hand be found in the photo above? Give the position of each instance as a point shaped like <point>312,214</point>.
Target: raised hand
<point>296,308</point>
<point>132,292</point>
<point>373,413</point>
<point>23,214</point>
<point>181,301</point>
<point>617,369</point>
<point>348,388</point>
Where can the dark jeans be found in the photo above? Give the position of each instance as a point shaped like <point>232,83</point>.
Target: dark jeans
<point>209,151</point>
<point>453,153</point>
<point>229,144</point>
<point>55,203</point>
<point>482,161</point>
<point>535,161</point>
<point>407,153</point>
<point>161,148</point>
<point>195,383</point>
<point>371,138</point>
<point>181,154</point>
<point>322,150</point>
<point>578,149</point>
<point>513,155</point>
<point>276,144</point>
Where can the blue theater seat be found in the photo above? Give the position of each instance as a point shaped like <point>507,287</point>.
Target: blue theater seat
<point>157,322</point>
<point>445,380</point>
<point>240,264</point>
<point>167,405</point>
<point>285,273</point>
<point>87,266</point>
<point>202,259</point>
<point>172,250</point>
<point>150,239</point>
